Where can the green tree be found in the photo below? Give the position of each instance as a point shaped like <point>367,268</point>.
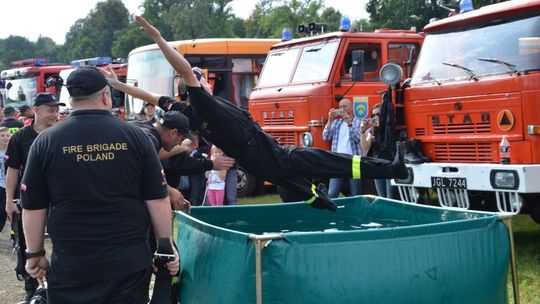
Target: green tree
<point>16,48</point>
<point>94,35</point>
<point>404,14</point>
<point>192,19</point>
<point>270,17</point>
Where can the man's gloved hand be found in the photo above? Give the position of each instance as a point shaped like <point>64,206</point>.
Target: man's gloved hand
<point>323,201</point>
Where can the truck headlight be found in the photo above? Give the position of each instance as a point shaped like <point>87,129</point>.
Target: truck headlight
<point>391,74</point>
<point>307,139</point>
<point>504,179</point>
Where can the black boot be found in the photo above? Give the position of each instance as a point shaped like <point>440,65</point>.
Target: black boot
<point>323,201</point>
<point>371,167</point>
<point>413,152</point>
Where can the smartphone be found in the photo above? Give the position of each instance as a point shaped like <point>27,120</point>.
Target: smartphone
<point>370,121</point>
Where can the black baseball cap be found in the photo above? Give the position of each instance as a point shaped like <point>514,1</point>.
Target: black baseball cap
<point>46,99</point>
<point>9,110</point>
<point>85,81</point>
<point>176,120</point>
<point>24,108</point>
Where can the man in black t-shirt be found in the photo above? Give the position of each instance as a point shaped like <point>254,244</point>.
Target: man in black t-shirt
<point>10,120</point>
<point>164,135</point>
<point>46,113</point>
<point>98,184</point>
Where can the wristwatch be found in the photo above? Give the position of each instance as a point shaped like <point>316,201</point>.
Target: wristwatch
<point>31,255</point>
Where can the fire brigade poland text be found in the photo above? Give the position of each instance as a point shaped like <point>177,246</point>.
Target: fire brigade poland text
<point>95,152</point>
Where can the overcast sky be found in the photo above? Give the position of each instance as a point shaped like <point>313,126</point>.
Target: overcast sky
<point>53,18</point>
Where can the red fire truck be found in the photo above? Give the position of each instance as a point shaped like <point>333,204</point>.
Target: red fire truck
<point>473,96</point>
<point>26,78</point>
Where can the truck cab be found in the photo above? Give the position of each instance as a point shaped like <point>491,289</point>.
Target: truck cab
<point>304,78</point>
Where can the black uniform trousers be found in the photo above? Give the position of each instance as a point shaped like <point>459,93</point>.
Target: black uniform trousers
<point>234,131</point>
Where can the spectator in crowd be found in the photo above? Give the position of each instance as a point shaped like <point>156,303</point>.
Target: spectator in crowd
<point>343,129</point>
<point>197,182</point>
<point>46,108</point>
<point>97,183</point>
<point>368,132</point>
<point>10,120</point>
<point>231,185</point>
<point>4,140</point>
<point>149,112</point>
<point>26,115</point>
<point>215,188</point>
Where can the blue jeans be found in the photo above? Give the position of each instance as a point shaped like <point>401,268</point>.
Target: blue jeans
<point>334,186</point>
<point>197,186</point>
<point>385,189</point>
<point>231,186</point>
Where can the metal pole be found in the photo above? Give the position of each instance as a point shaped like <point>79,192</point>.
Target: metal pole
<point>507,220</point>
<point>260,241</point>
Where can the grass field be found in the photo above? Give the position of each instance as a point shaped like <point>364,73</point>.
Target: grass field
<point>527,246</point>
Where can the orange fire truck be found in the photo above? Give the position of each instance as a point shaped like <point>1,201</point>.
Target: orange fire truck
<point>475,94</point>
<point>26,78</point>
<point>303,78</point>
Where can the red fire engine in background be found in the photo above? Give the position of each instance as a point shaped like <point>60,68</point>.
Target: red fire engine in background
<point>26,78</point>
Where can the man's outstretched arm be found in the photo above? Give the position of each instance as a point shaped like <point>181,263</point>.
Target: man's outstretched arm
<point>179,63</point>
<point>134,91</point>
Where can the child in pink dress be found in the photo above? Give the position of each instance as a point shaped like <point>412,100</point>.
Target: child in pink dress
<point>216,181</point>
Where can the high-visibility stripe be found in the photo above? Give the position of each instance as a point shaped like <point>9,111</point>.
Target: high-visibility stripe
<point>315,195</point>
<point>356,167</point>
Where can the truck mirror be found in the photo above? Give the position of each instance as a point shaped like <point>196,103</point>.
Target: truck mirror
<point>409,63</point>
<point>9,85</point>
<point>357,73</point>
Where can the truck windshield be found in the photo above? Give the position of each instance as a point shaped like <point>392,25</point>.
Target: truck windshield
<point>22,91</point>
<point>150,71</point>
<point>315,62</point>
<point>505,47</point>
<point>278,67</point>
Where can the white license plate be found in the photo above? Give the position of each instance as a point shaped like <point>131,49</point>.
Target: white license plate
<point>449,182</point>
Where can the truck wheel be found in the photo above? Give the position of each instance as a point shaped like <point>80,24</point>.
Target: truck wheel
<point>247,183</point>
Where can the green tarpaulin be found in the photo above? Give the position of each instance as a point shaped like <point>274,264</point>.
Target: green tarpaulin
<point>369,251</point>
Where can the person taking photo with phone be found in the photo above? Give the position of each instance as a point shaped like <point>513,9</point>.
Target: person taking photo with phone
<point>343,129</point>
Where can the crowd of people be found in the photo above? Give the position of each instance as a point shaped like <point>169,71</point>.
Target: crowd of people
<point>104,189</point>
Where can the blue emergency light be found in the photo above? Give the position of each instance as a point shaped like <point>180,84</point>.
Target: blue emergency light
<point>96,61</point>
<point>286,35</point>
<point>345,24</point>
<point>465,6</point>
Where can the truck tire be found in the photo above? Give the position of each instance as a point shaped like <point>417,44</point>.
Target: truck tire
<point>247,183</point>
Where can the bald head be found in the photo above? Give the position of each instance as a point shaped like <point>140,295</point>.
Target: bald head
<point>346,105</point>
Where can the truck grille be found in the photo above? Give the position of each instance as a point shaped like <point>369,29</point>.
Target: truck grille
<point>466,128</point>
<point>278,121</point>
<point>284,138</point>
<point>463,152</point>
